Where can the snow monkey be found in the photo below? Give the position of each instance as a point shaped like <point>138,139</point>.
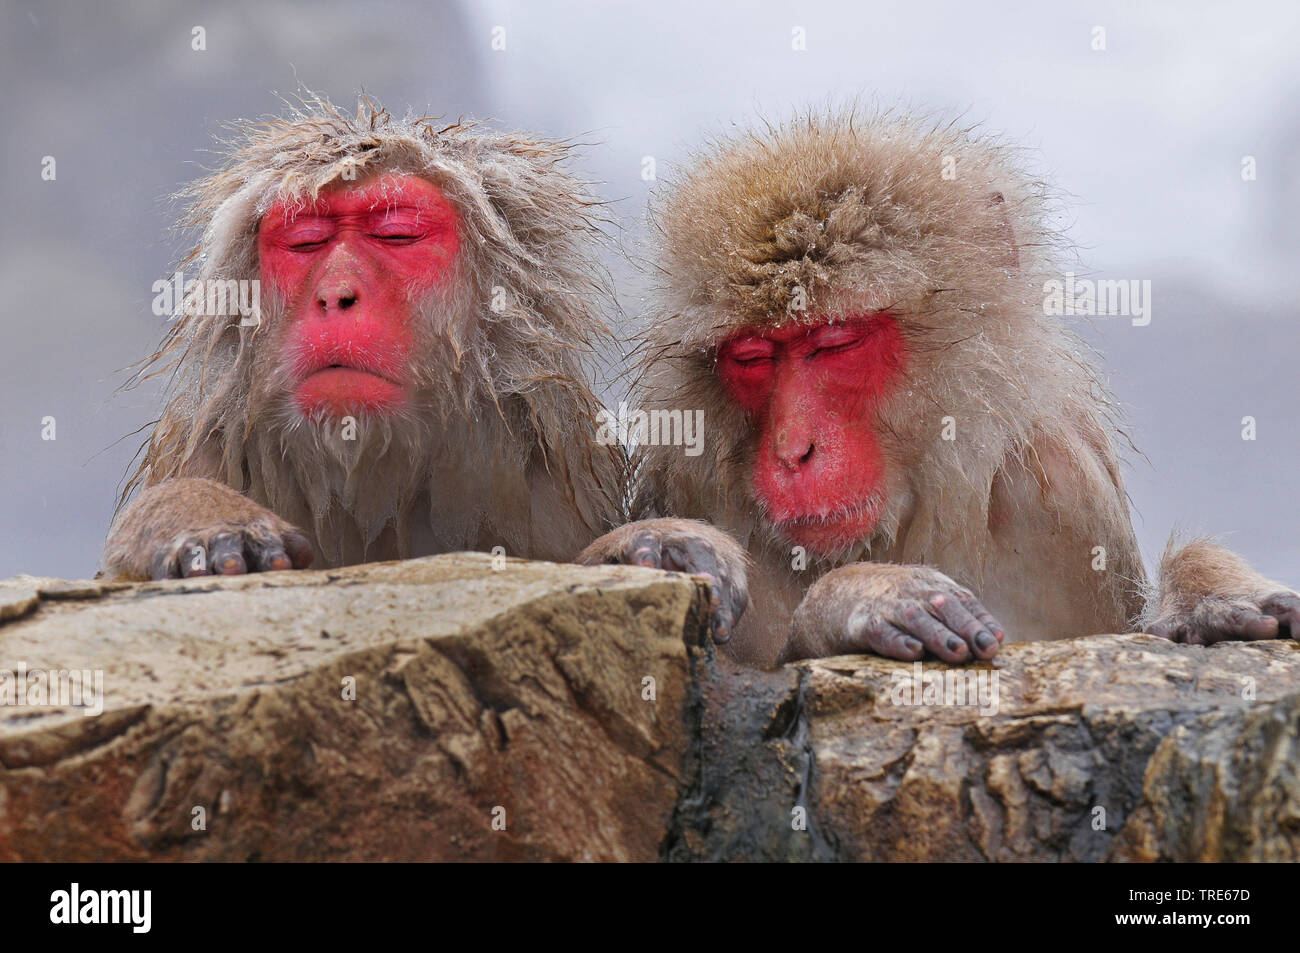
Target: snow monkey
<point>415,377</point>
<point>912,450</point>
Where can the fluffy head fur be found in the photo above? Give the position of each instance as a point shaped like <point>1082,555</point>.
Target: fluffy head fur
<point>855,213</point>
<point>498,445</point>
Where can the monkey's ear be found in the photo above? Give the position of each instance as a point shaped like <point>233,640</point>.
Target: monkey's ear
<point>1007,252</point>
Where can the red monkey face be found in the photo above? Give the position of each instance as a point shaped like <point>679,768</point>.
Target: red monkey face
<point>811,392</point>
<point>351,268</point>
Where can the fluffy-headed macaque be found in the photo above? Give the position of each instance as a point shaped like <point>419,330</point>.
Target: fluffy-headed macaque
<point>415,377</point>
<point>913,454</point>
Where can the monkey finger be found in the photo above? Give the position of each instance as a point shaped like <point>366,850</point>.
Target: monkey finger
<point>299,549</point>
<point>976,608</point>
<point>267,555</point>
<point>1161,630</point>
<point>1285,607</point>
<point>721,617</point>
<point>164,564</point>
<point>644,549</point>
<point>194,559</point>
<point>1238,625</point>
<point>721,621</point>
<point>227,555</point>
<point>1251,625</point>
<point>934,635</point>
<point>959,619</point>
<point>690,555</point>
<point>699,558</point>
<point>872,633</point>
<point>731,605</point>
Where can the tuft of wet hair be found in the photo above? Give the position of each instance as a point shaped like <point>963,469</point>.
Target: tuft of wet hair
<point>504,361</point>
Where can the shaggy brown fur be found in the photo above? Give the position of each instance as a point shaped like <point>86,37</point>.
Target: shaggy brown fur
<point>498,446</point>
<point>854,210</point>
<point>854,214</point>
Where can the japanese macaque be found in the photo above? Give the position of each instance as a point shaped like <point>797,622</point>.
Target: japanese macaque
<point>415,377</point>
<point>907,453</point>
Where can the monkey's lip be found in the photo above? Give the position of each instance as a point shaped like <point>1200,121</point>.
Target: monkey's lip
<point>337,390</point>
<point>826,532</point>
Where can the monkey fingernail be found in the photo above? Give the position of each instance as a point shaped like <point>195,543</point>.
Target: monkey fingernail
<point>299,549</point>
<point>273,559</point>
<point>985,641</point>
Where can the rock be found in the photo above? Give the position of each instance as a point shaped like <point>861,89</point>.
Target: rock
<point>1224,787</point>
<point>16,603</point>
<point>1123,747</point>
<point>226,733</point>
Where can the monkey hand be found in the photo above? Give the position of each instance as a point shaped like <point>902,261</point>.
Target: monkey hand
<point>1250,616</point>
<point>899,612</point>
<point>1210,594</point>
<point>682,545</point>
<point>188,526</point>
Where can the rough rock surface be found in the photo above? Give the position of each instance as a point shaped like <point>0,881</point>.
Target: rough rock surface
<point>475,690</point>
<point>523,690</point>
<point>1113,747</point>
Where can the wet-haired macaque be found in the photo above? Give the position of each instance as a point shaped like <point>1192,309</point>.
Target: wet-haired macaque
<point>907,453</point>
<point>415,379</point>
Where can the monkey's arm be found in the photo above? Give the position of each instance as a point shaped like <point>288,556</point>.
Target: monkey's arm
<point>895,611</point>
<point>192,526</point>
<point>1207,593</point>
<point>682,545</point>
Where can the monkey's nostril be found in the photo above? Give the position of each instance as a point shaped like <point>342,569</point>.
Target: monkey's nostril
<point>347,302</point>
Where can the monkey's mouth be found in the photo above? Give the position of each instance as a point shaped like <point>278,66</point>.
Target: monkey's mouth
<point>831,530</point>
<point>337,390</point>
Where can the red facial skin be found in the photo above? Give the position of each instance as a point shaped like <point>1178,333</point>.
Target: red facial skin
<point>351,267</point>
<point>811,391</point>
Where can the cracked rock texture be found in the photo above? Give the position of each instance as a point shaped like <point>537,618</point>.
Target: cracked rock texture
<point>520,695</point>
<point>1113,747</point>
<point>480,695</point>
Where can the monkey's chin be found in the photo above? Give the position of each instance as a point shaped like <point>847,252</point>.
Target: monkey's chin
<point>339,391</point>
<point>830,535</point>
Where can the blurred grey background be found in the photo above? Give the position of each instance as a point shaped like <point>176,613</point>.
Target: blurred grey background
<point>1147,136</point>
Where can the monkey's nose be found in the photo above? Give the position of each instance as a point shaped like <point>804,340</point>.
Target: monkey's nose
<point>793,454</point>
<point>339,297</point>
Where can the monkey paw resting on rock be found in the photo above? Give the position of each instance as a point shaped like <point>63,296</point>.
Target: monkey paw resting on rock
<point>909,454</point>
<point>414,380</point>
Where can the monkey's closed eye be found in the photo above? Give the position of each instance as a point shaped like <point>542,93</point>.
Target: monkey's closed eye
<point>308,246</point>
<point>838,348</point>
<point>397,239</point>
<point>747,352</point>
